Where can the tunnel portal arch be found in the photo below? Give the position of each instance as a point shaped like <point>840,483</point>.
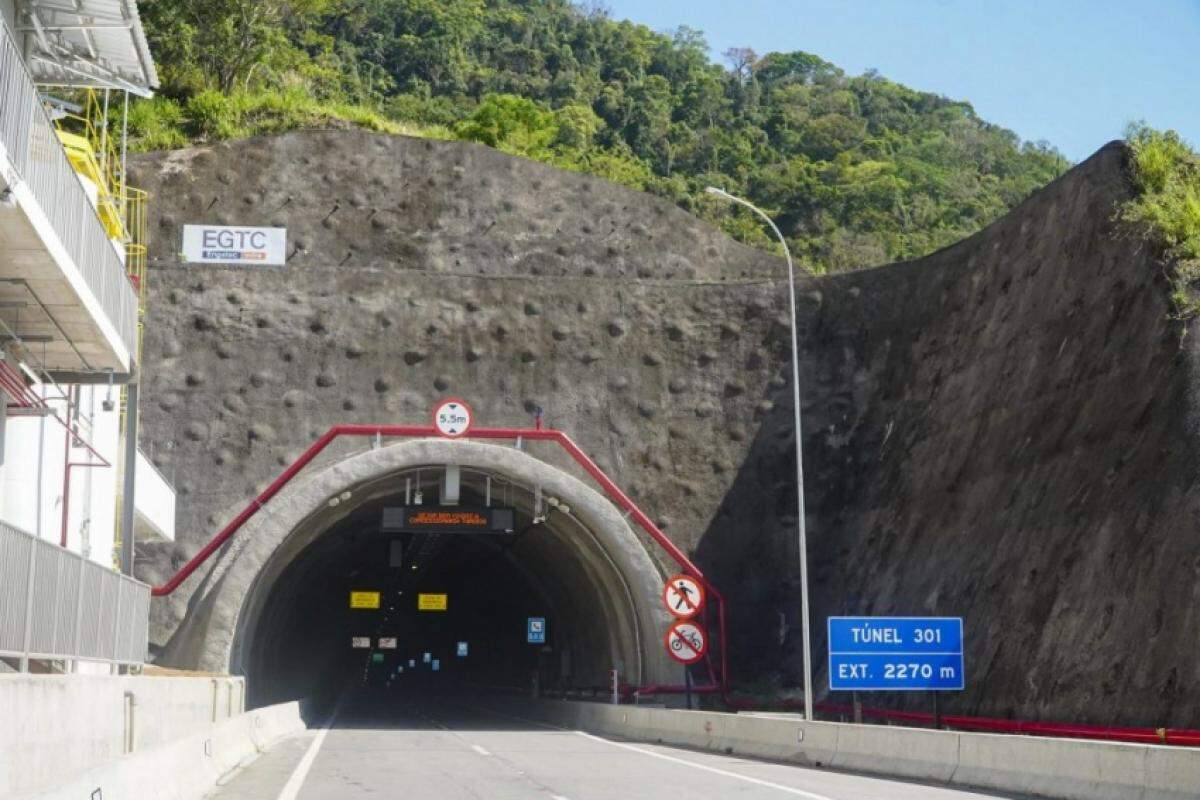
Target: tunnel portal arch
<point>586,562</point>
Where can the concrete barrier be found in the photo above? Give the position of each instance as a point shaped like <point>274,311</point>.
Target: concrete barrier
<point>1057,767</point>
<point>57,726</point>
<point>1069,769</point>
<point>186,769</point>
<point>1170,768</point>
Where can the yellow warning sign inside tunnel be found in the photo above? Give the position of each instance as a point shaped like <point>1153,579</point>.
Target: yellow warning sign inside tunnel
<point>431,602</point>
<point>368,600</point>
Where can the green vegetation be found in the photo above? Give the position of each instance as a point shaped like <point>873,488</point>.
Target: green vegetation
<point>1166,174</point>
<point>857,170</point>
<point>163,123</point>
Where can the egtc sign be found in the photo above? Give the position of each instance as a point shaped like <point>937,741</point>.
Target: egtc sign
<point>228,244</point>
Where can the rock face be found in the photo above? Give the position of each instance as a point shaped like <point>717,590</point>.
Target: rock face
<point>423,269</point>
<point>1004,430</point>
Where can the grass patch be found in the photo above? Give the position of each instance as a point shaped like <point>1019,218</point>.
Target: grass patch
<point>209,116</point>
<point>1166,174</point>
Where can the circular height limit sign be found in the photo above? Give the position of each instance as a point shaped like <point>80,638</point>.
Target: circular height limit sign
<point>452,418</point>
<point>683,596</point>
<point>686,642</point>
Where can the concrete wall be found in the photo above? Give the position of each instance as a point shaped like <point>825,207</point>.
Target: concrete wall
<point>187,768</point>
<point>55,727</point>
<point>31,477</point>
<point>8,13</point>
<point>1057,768</point>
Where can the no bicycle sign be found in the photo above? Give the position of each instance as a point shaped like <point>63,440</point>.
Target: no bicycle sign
<point>686,642</point>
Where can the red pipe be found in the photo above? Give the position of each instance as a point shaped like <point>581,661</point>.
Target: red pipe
<point>66,487</point>
<point>14,385</point>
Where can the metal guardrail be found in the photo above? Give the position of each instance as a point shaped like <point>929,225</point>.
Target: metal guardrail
<point>37,156</point>
<point>56,604</point>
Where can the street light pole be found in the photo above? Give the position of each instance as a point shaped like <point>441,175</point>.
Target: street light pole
<point>803,533</point>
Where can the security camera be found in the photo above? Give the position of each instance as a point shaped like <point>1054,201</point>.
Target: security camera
<point>108,405</point>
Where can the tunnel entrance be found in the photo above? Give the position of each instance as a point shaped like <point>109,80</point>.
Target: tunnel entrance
<point>277,608</point>
<point>543,565</point>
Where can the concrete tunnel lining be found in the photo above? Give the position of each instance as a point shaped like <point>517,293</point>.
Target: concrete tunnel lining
<point>299,638</point>
<point>228,604</point>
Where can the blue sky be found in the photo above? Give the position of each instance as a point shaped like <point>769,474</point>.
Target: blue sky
<point>1067,71</point>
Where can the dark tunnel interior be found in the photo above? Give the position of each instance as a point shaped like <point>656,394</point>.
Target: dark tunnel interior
<point>494,583</point>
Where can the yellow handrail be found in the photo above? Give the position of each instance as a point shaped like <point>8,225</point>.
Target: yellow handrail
<point>95,155</point>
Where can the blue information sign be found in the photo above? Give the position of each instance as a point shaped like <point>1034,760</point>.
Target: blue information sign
<point>904,654</point>
<point>535,630</point>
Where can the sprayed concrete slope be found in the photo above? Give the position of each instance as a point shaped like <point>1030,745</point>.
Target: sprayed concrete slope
<point>1002,430</point>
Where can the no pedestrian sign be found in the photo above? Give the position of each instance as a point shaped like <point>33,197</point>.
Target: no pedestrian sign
<point>683,596</point>
<point>686,642</point>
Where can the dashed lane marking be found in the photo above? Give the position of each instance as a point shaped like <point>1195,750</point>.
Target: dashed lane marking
<point>480,750</point>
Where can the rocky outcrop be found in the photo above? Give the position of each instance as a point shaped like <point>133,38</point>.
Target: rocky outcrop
<point>1004,430</point>
<point>420,269</point>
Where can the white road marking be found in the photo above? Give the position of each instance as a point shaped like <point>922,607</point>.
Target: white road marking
<point>706,768</point>
<point>480,750</point>
<point>558,797</point>
<point>292,787</point>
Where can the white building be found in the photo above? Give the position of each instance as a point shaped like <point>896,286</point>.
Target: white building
<point>72,271</point>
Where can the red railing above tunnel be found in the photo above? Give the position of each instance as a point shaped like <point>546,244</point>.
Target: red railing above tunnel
<point>718,675</point>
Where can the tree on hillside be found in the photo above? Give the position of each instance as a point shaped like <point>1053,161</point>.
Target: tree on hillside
<point>858,169</point>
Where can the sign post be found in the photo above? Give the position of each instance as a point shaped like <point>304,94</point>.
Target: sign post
<point>896,654</point>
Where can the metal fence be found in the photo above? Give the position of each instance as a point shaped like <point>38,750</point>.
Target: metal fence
<point>56,604</point>
<point>36,154</point>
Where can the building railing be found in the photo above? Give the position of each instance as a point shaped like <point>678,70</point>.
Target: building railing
<point>57,605</point>
<point>37,156</point>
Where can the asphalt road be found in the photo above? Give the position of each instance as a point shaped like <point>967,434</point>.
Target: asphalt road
<point>438,749</point>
